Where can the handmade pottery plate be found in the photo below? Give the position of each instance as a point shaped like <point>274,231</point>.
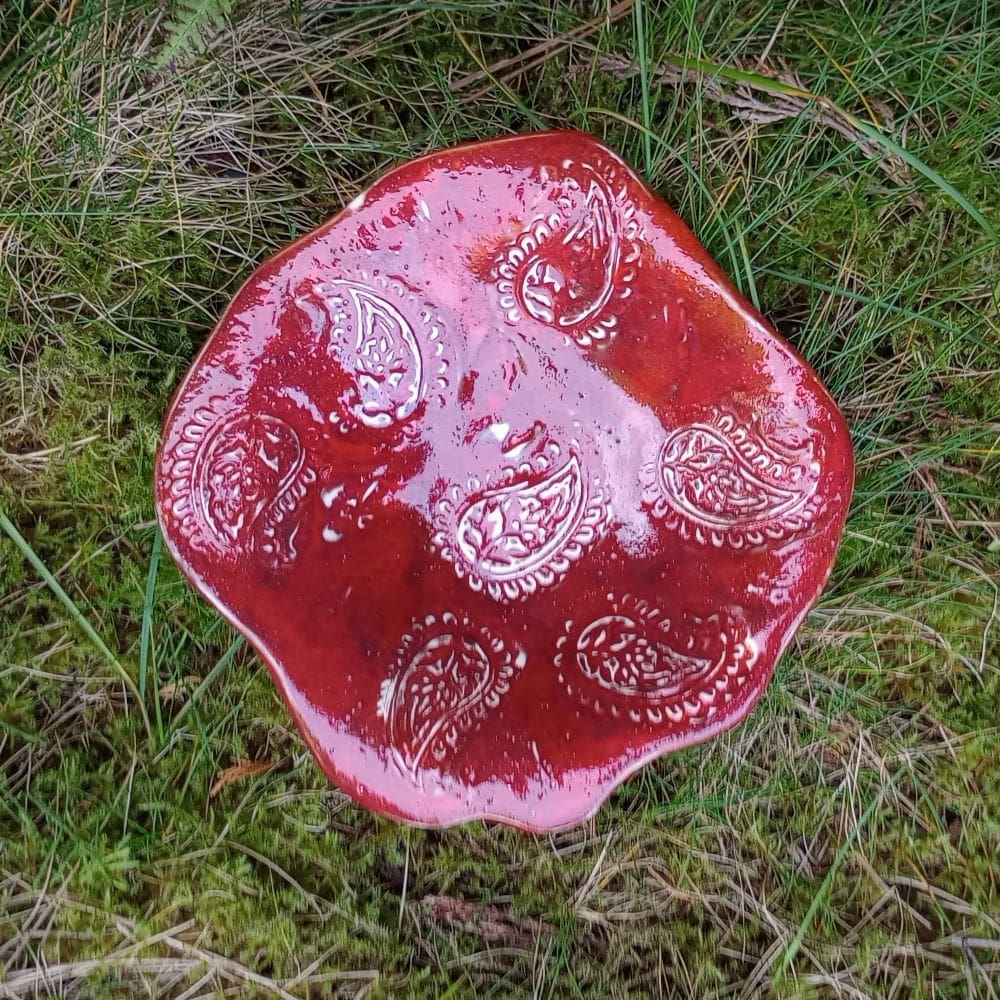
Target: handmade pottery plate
<point>506,483</point>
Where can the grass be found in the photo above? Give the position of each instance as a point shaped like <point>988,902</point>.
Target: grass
<point>842,162</point>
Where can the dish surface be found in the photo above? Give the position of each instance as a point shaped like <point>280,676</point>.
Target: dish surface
<point>506,483</point>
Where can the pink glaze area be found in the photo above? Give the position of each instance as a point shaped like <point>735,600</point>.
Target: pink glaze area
<point>506,483</point>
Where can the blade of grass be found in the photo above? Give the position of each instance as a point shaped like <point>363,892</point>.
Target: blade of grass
<point>770,85</point>
<point>146,633</point>
<point>642,56</point>
<point>499,84</point>
<point>929,172</point>
<point>824,889</point>
<point>75,613</point>
<point>846,293</point>
<point>224,661</point>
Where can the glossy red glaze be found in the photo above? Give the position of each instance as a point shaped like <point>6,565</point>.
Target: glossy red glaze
<point>507,484</point>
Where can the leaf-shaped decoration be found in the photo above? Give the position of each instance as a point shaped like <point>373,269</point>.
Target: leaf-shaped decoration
<point>565,268</point>
<point>632,660</point>
<point>450,673</point>
<point>388,363</point>
<point>720,482</point>
<point>511,529</point>
<point>523,534</point>
<point>236,483</point>
<point>568,281</point>
<point>592,248</point>
<point>376,345</point>
<point>706,473</point>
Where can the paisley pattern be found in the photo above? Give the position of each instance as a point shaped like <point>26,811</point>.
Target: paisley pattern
<point>450,675</point>
<point>633,661</point>
<point>525,532</point>
<point>566,267</point>
<point>235,484</point>
<point>721,483</point>
<point>387,341</point>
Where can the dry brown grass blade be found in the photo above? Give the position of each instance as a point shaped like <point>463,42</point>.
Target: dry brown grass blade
<point>238,771</point>
<point>68,975</point>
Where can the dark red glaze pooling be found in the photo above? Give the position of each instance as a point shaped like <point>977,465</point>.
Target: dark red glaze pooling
<point>507,484</point>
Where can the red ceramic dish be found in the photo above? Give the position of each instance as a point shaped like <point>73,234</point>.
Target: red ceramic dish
<point>510,488</point>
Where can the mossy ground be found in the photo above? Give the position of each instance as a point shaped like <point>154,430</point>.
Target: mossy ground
<point>844,842</point>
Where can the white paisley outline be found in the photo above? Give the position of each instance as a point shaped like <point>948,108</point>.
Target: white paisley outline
<point>187,495</point>
<point>423,340</point>
<point>624,232</point>
<point>465,717</point>
<point>717,685</point>
<point>788,478</point>
<point>583,527</point>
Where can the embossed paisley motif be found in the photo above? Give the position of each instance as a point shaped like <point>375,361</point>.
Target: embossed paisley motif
<point>635,661</point>
<point>450,674</point>
<point>236,484</point>
<point>386,340</point>
<point>719,482</point>
<point>566,267</point>
<point>525,532</point>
